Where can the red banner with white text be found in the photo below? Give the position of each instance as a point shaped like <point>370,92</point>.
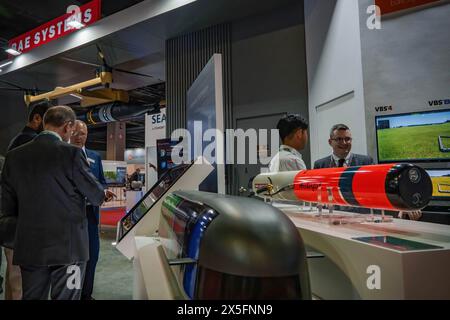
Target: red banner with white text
<point>57,28</point>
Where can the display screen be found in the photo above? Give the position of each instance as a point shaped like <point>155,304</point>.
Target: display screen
<point>397,243</point>
<point>150,198</point>
<point>176,215</point>
<point>441,183</point>
<point>414,137</point>
<point>164,148</point>
<point>117,177</point>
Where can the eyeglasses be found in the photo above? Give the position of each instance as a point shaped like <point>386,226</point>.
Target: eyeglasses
<point>340,140</point>
<point>77,133</point>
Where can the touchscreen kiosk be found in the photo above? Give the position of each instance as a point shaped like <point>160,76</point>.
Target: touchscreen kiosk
<point>143,218</point>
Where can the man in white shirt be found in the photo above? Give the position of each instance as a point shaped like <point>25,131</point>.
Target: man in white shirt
<point>293,130</point>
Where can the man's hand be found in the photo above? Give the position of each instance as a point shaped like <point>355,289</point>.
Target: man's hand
<point>109,195</point>
<point>412,215</point>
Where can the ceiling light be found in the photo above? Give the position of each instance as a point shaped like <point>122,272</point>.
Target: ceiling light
<point>76,96</point>
<point>5,64</point>
<point>13,52</point>
<point>75,24</point>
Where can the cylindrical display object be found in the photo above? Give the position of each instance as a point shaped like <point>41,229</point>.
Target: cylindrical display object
<point>388,186</point>
<point>116,111</point>
<point>238,248</point>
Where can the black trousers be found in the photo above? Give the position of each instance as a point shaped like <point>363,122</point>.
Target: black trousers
<point>94,249</point>
<point>61,282</point>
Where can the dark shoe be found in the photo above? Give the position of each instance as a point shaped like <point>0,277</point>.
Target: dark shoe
<point>87,298</point>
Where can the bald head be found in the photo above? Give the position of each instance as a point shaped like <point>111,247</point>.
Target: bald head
<point>79,135</point>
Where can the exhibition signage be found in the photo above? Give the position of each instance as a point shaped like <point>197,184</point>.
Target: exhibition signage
<point>391,6</point>
<point>59,27</point>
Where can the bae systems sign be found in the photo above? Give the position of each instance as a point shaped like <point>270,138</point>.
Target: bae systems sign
<point>75,18</point>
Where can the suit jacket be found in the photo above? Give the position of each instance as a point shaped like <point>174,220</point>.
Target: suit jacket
<point>26,135</point>
<point>4,228</point>
<point>96,167</point>
<point>2,161</point>
<point>356,160</point>
<point>44,185</point>
<point>7,228</point>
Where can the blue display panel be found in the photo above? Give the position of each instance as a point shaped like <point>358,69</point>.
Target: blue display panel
<point>183,224</point>
<point>164,149</point>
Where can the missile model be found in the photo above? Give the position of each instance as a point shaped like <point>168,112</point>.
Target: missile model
<point>399,186</point>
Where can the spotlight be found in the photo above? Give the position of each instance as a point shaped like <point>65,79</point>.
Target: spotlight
<point>75,24</point>
<point>13,52</point>
<point>5,64</point>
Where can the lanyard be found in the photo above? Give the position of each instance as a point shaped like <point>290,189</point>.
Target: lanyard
<point>287,150</point>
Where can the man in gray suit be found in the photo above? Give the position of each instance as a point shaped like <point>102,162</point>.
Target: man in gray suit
<point>341,142</point>
<point>47,198</point>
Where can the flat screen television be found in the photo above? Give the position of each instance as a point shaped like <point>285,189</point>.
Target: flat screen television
<point>414,137</point>
<point>116,178</point>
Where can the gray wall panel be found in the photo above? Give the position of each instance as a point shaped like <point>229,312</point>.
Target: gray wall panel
<point>405,64</point>
<point>264,71</point>
<point>186,57</point>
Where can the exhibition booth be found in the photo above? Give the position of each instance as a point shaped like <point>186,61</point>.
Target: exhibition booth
<point>200,219</point>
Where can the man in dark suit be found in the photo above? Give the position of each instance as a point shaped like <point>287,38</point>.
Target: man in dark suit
<point>33,127</point>
<point>341,143</point>
<point>78,139</point>
<point>13,283</point>
<point>136,176</point>
<point>45,184</point>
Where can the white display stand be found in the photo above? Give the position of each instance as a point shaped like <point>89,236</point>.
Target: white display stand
<point>160,283</point>
<point>204,105</point>
<point>348,264</point>
<point>346,269</point>
<point>148,224</point>
<point>133,197</point>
